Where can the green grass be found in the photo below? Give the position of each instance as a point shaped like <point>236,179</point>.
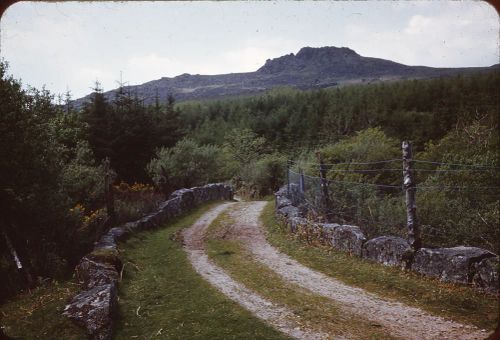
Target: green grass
<point>37,314</point>
<point>311,310</point>
<point>461,303</point>
<point>161,296</point>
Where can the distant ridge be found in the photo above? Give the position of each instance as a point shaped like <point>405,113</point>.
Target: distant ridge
<point>310,68</point>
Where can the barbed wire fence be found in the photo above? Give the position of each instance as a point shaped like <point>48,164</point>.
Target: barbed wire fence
<point>386,202</point>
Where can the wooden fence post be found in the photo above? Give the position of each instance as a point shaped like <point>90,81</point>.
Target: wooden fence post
<point>411,205</point>
<point>108,193</point>
<point>288,178</point>
<point>324,184</point>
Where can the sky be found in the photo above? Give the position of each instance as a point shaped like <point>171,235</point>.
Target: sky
<point>69,45</point>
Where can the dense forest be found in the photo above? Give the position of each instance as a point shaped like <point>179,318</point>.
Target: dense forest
<point>53,159</point>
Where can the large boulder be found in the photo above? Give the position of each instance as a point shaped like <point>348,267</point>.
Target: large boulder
<point>486,274</point>
<point>289,211</point>
<point>449,264</point>
<point>327,231</point>
<point>296,222</point>
<point>389,250</point>
<point>346,238</point>
<point>93,309</point>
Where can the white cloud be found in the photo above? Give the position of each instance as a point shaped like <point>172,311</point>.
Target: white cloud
<point>455,38</point>
<point>417,24</point>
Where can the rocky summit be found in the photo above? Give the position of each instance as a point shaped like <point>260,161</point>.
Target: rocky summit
<point>310,68</point>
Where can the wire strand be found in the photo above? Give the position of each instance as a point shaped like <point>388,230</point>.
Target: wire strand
<point>349,163</point>
<point>454,164</point>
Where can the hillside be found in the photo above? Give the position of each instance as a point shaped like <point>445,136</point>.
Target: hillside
<point>309,68</point>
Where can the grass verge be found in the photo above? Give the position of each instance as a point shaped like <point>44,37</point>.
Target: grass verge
<point>460,303</point>
<point>37,314</point>
<point>161,296</point>
<point>309,309</point>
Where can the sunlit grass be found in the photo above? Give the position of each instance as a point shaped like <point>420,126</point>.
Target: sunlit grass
<point>161,296</point>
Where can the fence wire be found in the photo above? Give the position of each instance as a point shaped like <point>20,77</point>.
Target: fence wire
<point>373,197</point>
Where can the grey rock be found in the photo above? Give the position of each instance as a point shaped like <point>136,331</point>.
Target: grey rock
<point>107,241</point>
<point>486,274</point>
<point>186,197</point>
<point>289,211</point>
<point>282,191</point>
<point>91,273</point>
<point>93,309</point>
<point>282,201</point>
<point>389,250</point>
<point>295,222</point>
<point>120,233</point>
<point>327,231</point>
<point>449,264</point>
<point>347,238</point>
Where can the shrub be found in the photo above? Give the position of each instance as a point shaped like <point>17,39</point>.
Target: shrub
<point>185,165</point>
<point>263,176</point>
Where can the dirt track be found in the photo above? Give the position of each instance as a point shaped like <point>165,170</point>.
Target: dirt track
<point>278,316</point>
<point>402,320</point>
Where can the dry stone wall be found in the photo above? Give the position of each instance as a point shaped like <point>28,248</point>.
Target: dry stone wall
<point>98,272</point>
<point>468,265</point>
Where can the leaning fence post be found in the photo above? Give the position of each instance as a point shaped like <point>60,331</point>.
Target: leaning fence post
<point>411,204</point>
<point>324,183</point>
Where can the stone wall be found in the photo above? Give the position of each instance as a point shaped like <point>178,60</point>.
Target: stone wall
<point>467,265</point>
<point>98,271</point>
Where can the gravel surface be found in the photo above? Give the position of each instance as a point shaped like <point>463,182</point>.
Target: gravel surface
<point>401,320</point>
<point>278,316</point>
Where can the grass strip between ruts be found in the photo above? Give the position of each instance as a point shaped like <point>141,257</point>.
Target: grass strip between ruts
<point>310,310</point>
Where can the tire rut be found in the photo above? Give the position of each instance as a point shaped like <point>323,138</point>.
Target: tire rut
<point>279,317</point>
<point>402,320</point>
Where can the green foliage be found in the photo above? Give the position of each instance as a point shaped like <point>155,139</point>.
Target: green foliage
<point>244,145</point>
<point>127,132</point>
<point>185,165</point>
<point>464,208</point>
<point>292,120</point>
<point>34,208</point>
<point>264,176</point>
<point>82,179</point>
